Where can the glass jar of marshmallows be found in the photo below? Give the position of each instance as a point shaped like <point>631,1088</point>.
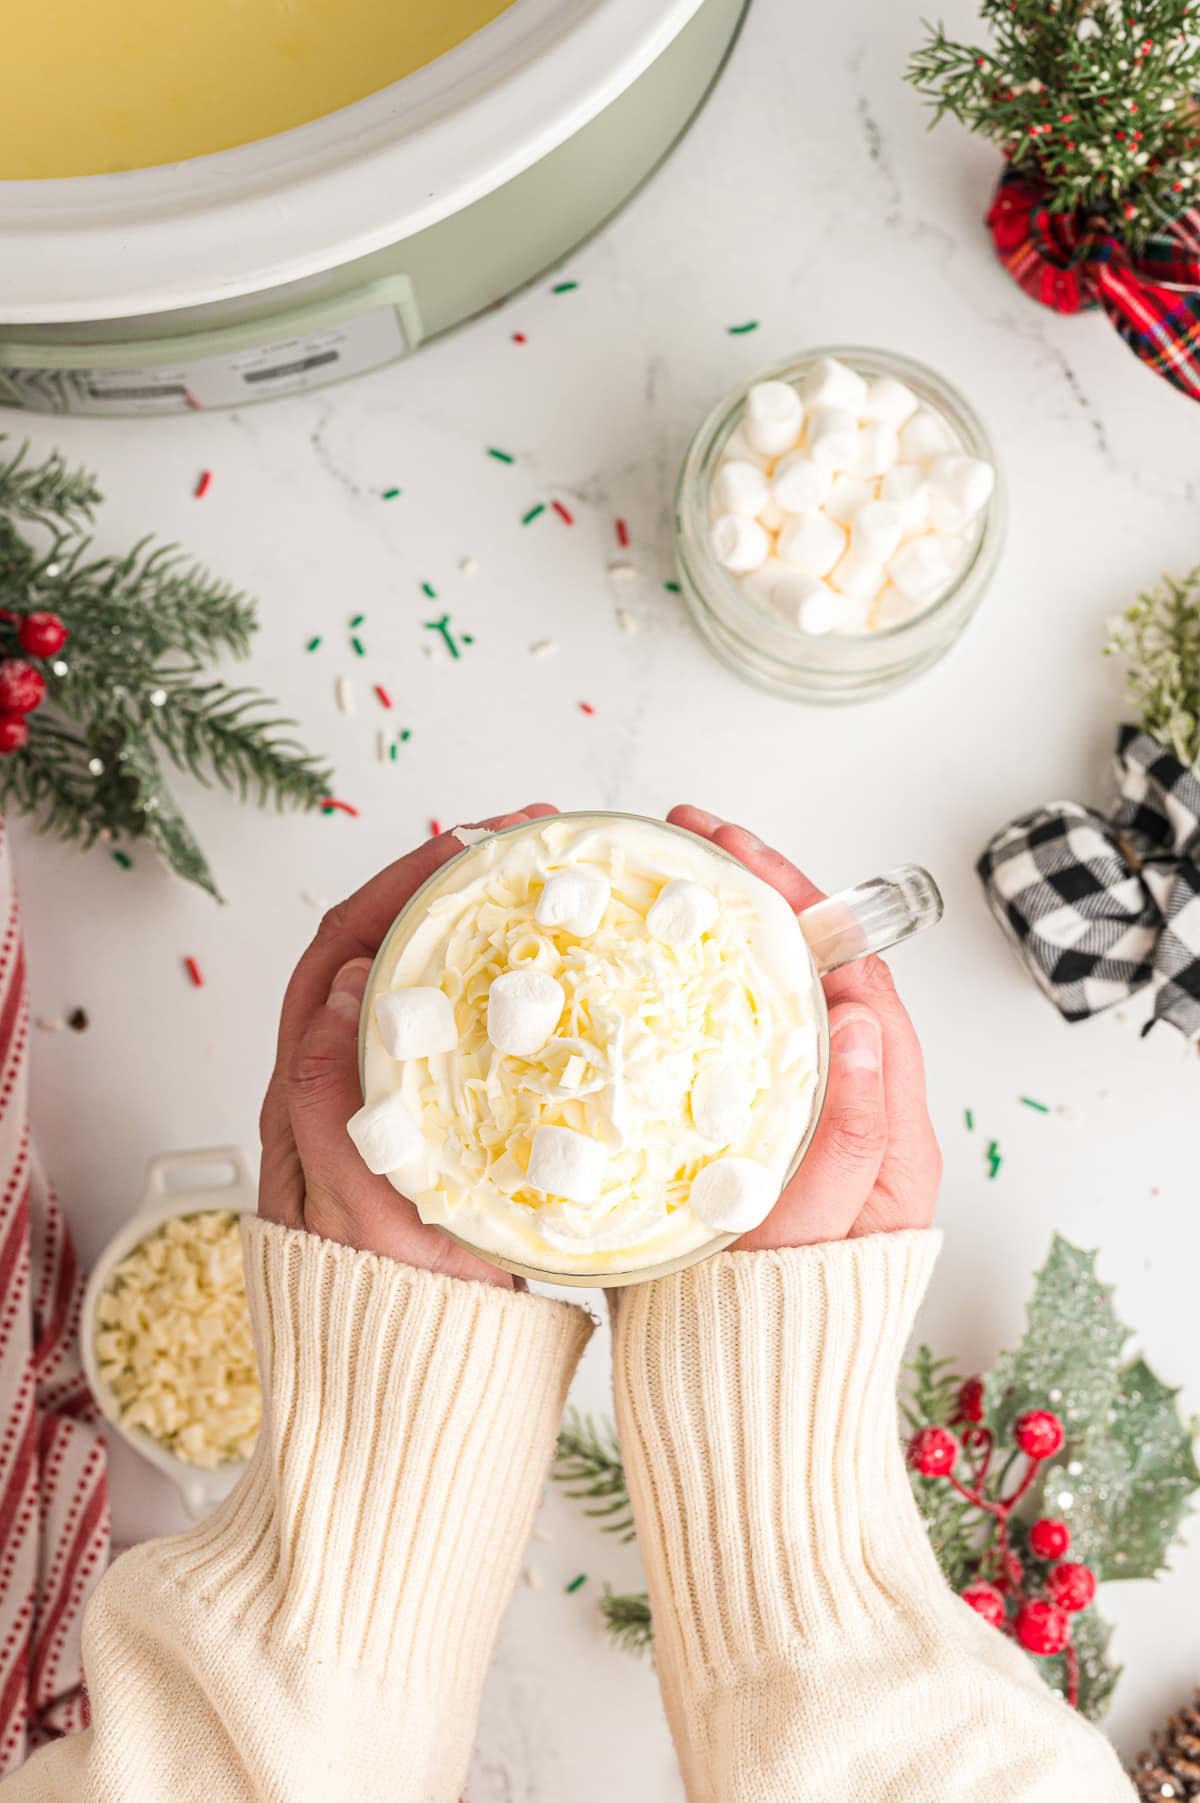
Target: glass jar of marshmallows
<point>837,523</point>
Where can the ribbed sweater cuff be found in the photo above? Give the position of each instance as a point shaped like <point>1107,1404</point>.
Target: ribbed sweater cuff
<point>408,1423</point>
<point>756,1399</point>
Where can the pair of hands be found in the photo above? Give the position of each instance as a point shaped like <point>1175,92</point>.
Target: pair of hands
<point>873,1166</point>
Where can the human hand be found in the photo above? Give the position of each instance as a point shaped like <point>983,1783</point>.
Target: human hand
<point>874,1165</point>
<point>312,1175</point>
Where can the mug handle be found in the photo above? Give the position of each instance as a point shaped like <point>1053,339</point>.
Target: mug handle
<point>871,917</point>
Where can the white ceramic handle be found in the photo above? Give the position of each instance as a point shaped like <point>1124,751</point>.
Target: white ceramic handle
<point>166,1177</point>
<point>871,917</point>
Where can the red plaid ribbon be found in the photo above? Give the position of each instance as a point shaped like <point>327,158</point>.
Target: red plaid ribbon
<point>1070,263</point>
<point>53,1493</point>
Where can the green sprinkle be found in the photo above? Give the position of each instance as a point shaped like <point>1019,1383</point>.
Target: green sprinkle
<point>579,1582</point>
<point>406,735</point>
<point>427,588</point>
<point>997,1161</point>
<point>750,325</point>
<point>969,1117</point>
<point>672,588</point>
<point>123,859</point>
<point>501,456</point>
<point>993,1148</point>
<point>526,518</point>
<point>389,494</point>
<point>1038,1107</point>
<point>360,650</point>
<point>443,626</point>
<point>565,288</point>
<point>313,643</point>
<point>358,619</point>
<point>394,749</point>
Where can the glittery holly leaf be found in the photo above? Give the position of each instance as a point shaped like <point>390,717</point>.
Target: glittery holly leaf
<point>1131,1482</point>
<point>1067,1360</point>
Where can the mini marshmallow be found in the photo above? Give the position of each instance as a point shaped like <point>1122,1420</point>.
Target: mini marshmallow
<point>416,1023</point>
<point>568,1164</point>
<point>738,449</point>
<point>799,484</point>
<point>820,610</point>
<point>721,1105</point>
<point>889,401</point>
<point>833,437</point>
<point>732,1195</point>
<point>959,488</point>
<point>386,1135</point>
<point>923,566</point>
<point>811,541</point>
<point>738,543</point>
<point>683,912</point>
<point>739,488</point>
<point>833,384</point>
<point>905,487</point>
<point>926,436</point>
<point>861,578</point>
<point>772,515</point>
<point>847,495</point>
<point>574,900</point>
<point>877,530</point>
<point>760,584</point>
<point>524,1008</point>
<point>878,449</point>
<point>773,418</point>
<point>891,608</point>
<point>792,592</point>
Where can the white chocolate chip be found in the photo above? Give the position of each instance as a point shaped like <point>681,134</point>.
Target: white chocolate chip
<point>732,1195</point>
<point>524,1008</point>
<point>721,1105</point>
<point>568,1164</point>
<point>416,1023</point>
<point>683,912</point>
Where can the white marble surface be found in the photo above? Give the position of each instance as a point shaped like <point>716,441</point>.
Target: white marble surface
<point>808,196</point>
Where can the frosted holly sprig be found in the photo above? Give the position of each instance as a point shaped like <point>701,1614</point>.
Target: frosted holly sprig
<point>1037,1616</point>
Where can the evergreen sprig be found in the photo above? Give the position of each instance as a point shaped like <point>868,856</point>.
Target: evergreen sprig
<point>627,1619</point>
<point>1159,637</point>
<point>1094,96</point>
<point>130,685</point>
<point>588,1464</point>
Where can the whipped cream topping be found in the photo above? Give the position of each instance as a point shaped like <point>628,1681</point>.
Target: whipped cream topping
<point>665,1041</point>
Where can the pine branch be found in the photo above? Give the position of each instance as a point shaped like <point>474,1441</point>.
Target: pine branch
<point>1095,97</point>
<point>1159,637</point>
<point>214,731</point>
<point>588,1464</point>
<point>627,1619</point>
<point>50,782</point>
<point>49,493</point>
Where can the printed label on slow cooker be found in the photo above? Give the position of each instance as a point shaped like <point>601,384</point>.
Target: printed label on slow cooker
<point>289,366</point>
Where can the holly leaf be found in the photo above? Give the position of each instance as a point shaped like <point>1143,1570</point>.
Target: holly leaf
<point>1067,1360</point>
<point>1098,1675</point>
<point>1130,1484</point>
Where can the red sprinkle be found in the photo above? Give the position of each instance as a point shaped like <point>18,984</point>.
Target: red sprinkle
<point>330,802</point>
<point>519,338</point>
<point>564,513</point>
<point>384,697</point>
<point>194,972</point>
<point>585,707</point>
<point>204,484</point>
<point>623,535</point>
<point>435,827</point>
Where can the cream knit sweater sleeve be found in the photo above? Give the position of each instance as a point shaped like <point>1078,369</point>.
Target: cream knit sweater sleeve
<point>325,1635</point>
<point>807,1645</point>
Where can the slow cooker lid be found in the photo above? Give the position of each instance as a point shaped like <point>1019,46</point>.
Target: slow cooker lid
<point>371,174</point>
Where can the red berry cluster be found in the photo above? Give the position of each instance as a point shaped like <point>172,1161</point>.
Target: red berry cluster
<point>22,685</point>
<point>1000,1593</point>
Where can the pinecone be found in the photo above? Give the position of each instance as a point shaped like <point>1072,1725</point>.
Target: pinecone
<point>1171,1770</point>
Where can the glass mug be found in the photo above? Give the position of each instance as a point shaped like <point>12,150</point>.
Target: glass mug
<point>871,917</point>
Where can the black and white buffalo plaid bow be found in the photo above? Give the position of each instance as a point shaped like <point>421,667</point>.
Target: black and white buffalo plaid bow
<point>1098,906</point>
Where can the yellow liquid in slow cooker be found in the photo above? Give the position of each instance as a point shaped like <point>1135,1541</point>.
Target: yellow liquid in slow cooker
<point>92,86</point>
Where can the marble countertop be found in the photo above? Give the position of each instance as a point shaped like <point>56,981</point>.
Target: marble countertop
<point>808,196</point>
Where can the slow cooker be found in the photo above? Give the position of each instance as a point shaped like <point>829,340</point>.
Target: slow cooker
<point>342,244</point>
